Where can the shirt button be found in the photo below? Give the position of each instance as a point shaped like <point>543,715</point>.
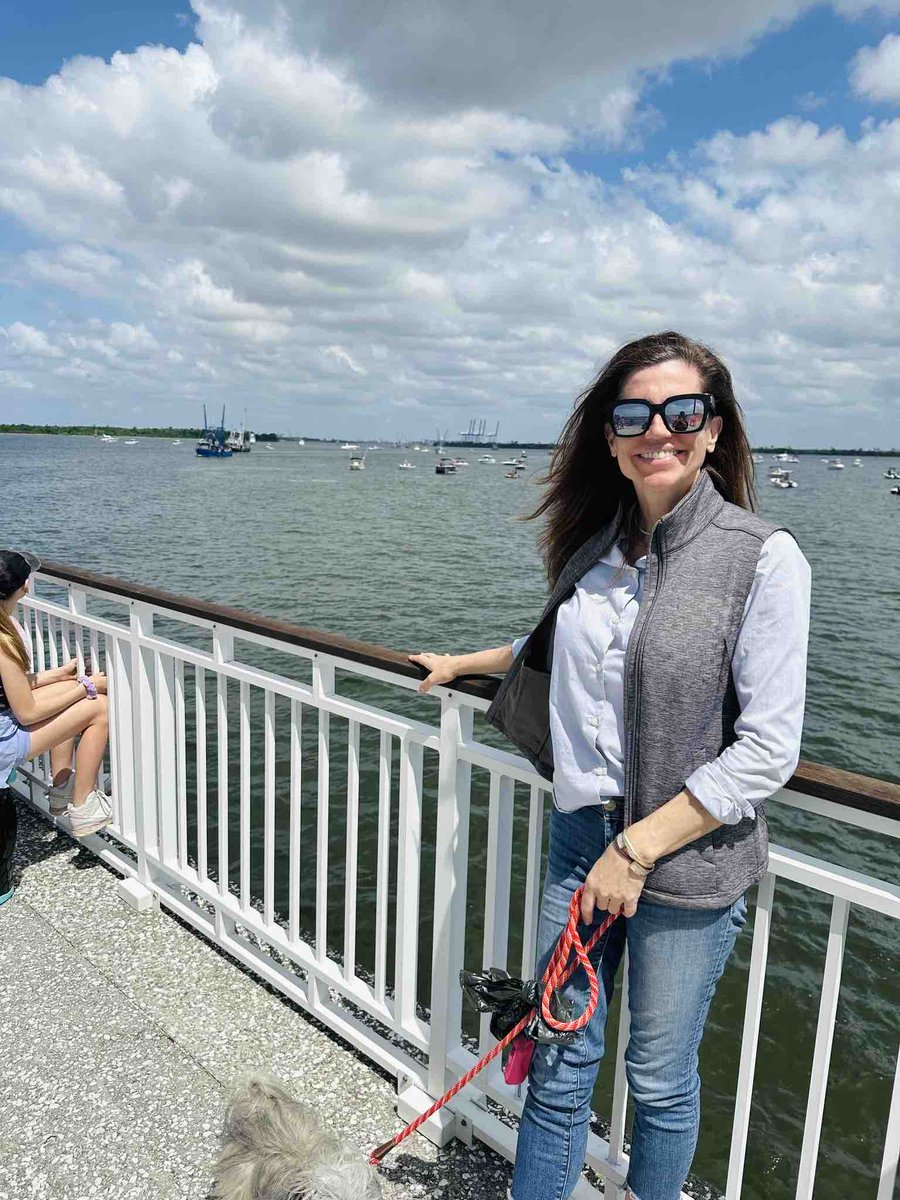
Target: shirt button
<point>599,770</point>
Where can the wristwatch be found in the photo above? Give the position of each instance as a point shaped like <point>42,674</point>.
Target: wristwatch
<point>642,870</point>
<point>88,686</point>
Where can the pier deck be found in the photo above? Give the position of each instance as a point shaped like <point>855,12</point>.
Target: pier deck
<point>123,1032</point>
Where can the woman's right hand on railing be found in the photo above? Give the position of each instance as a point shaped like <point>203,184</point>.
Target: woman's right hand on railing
<point>441,668</point>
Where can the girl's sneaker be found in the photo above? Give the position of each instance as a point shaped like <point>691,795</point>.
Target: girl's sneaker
<point>94,814</point>
<point>59,797</point>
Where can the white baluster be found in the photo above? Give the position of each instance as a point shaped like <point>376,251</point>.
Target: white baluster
<point>450,870</point>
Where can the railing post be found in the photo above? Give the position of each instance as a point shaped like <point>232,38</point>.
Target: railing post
<point>450,866</point>
<point>223,652</point>
<point>756,981</point>
<point>78,608</point>
<point>409,862</point>
<point>323,683</point>
<point>818,1084</point>
<point>143,739</point>
<point>166,759</point>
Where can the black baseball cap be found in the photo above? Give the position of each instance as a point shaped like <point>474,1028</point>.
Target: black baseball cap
<point>15,567</point>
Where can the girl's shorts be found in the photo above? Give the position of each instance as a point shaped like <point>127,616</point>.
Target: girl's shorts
<point>14,750</point>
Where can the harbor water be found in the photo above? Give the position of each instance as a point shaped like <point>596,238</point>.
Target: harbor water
<point>415,561</point>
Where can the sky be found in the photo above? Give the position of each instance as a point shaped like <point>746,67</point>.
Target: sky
<point>385,220</point>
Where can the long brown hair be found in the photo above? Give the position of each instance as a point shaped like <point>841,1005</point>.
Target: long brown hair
<point>11,642</point>
<point>584,483</point>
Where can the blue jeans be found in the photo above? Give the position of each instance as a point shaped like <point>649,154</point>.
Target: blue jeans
<point>676,957</point>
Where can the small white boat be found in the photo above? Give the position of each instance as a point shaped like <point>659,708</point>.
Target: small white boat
<point>793,459</point>
<point>835,465</point>
<point>487,458</point>
<point>460,462</point>
<point>891,473</point>
<point>783,480</point>
<point>777,472</point>
<point>130,442</point>
<point>301,441</point>
<point>406,466</point>
<point>445,466</point>
<point>350,446</point>
<point>757,458</point>
<point>782,457</point>
<point>176,443</point>
<point>357,462</point>
<point>107,438</point>
<point>857,462</point>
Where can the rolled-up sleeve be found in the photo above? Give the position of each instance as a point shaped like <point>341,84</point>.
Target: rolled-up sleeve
<point>769,671</point>
<point>517,645</point>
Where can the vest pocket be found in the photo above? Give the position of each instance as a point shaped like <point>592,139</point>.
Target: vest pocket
<point>528,705</point>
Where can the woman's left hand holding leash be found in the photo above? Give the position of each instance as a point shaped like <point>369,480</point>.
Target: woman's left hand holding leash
<point>610,886</point>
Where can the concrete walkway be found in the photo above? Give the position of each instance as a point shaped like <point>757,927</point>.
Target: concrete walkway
<point>122,1033</point>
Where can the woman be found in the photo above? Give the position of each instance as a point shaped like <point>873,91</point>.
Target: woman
<point>662,691</point>
<point>48,711</point>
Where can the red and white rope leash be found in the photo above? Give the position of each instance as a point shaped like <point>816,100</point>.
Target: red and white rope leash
<point>559,972</point>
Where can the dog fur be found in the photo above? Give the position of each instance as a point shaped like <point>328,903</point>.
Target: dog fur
<point>275,1148</point>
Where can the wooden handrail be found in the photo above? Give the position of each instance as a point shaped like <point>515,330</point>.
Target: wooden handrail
<point>847,788</point>
<point>368,653</point>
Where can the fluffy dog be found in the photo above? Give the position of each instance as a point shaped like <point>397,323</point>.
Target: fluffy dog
<point>275,1149</point>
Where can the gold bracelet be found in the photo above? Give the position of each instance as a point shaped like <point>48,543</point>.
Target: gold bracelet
<point>634,867</point>
<point>626,842</point>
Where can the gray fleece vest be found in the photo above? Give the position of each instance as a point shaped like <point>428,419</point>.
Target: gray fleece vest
<point>680,700</point>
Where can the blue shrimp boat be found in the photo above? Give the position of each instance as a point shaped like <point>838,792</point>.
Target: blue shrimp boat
<point>213,443</point>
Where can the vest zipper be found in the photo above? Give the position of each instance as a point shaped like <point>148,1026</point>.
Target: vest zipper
<point>632,718</point>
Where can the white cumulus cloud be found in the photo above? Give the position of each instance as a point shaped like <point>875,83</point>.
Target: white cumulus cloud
<point>876,70</point>
<point>26,341</point>
<point>278,212</point>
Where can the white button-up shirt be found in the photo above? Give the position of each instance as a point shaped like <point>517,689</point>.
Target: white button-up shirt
<point>587,720</point>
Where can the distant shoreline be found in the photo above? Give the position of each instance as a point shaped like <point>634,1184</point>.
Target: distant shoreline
<point>135,432</point>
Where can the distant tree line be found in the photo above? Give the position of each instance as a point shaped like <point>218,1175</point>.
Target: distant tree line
<point>831,452</point>
<point>173,432</point>
<point>119,430</point>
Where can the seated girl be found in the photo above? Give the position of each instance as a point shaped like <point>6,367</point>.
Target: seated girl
<point>48,711</point>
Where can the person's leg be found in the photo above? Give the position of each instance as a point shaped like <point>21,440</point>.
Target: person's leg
<point>90,719</point>
<point>8,827</point>
<point>61,754</point>
<point>555,1120</point>
<point>676,957</point>
<point>61,763</point>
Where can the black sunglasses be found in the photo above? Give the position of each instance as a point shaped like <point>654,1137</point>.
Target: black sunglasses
<point>680,414</point>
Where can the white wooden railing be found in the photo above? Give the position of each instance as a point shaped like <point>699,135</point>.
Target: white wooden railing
<point>179,670</point>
